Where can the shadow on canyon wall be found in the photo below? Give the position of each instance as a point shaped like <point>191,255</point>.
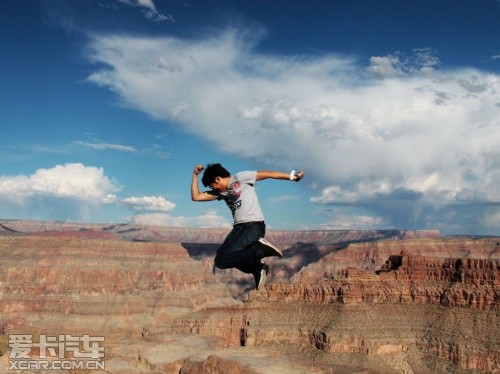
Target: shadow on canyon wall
<point>302,253</point>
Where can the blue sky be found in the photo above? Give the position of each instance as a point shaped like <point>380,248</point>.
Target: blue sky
<point>392,108</point>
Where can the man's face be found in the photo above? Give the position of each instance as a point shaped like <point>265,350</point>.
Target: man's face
<point>218,185</point>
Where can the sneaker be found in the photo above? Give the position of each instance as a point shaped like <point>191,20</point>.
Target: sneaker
<point>269,250</point>
<point>261,277</point>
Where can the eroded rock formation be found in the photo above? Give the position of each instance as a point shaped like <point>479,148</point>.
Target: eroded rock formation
<point>442,308</point>
<point>338,302</point>
<point>404,278</point>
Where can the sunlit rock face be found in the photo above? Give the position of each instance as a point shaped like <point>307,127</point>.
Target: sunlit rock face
<point>338,301</point>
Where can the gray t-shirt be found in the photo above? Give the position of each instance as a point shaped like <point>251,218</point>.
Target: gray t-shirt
<point>241,198</point>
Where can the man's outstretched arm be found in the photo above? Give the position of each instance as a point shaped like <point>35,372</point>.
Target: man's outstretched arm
<point>196,194</point>
<point>265,174</point>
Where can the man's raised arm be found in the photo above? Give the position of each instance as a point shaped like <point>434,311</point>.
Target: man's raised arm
<point>196,194</point>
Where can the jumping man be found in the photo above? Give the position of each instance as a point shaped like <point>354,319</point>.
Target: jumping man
<point>245,246</point>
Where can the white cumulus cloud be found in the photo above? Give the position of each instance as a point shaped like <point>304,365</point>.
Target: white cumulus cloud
<point>209,219</point>
<point>74,191</point>
<point>421,61</point>
<point>406,145</point>
<point>149,203</point>
<point>70,190</point>
<point>73,181</point>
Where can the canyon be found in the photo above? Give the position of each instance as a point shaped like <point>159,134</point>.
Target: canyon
<point>339,301</point>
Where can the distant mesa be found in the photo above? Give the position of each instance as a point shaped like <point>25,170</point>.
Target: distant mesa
<point>6,230</point>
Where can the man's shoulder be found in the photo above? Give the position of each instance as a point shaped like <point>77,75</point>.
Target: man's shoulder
<point>245,174</point>
<point>244,177</point>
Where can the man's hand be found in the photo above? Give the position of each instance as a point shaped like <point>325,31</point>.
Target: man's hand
<point>198,169</point>
<point>299,175</point>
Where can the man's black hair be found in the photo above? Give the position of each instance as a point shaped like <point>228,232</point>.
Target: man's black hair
<point>213,171</point>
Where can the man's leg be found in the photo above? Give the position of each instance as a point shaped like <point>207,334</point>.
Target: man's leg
<point>243,249</point>
<point>240,248</point>
<point>260,276</point>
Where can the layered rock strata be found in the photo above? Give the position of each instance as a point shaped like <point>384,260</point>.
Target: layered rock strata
<point>473,283</point>
<point>416,314</point>
<point>65,279</point>
<point>371,256</point>
<point>301,247</point>
<point>338,302</point>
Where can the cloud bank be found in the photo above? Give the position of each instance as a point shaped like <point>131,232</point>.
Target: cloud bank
<point>406,143</point>
<point>209,219</point>
<point>73,191</point>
